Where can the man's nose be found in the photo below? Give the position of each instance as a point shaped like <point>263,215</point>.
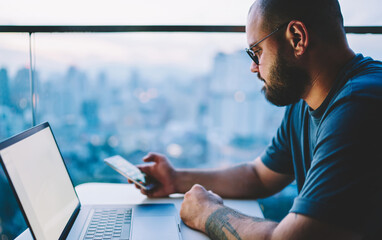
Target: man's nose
<point>254,67</point>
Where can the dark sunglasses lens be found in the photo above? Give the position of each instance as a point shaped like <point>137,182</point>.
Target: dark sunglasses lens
<point>255,59</point>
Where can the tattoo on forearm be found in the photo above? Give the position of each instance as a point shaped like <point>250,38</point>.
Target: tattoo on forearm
<point>218,224</point>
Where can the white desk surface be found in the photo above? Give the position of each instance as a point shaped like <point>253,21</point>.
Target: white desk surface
<point>112,193</point>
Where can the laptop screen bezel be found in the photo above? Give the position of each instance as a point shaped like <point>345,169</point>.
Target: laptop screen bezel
<point>19,137</point>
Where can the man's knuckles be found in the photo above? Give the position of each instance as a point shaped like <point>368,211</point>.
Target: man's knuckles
<point>197,188</point>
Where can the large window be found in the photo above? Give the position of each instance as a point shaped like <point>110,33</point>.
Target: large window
<point>190,96</point>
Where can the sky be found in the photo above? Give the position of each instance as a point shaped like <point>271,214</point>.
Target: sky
<point>186,51</point>
<point>123,12</point>
<point>72,12</point>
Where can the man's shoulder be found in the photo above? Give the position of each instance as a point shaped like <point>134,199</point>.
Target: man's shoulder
<point>363,81</point>
<point>363,87</point>
<point>368,73</point>
<point>361,66</point>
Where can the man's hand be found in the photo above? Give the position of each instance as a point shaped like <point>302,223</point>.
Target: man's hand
<point>160,171</point>
<point>198,205</point>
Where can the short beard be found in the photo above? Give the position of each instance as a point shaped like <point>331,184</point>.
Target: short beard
<point>287,83</point>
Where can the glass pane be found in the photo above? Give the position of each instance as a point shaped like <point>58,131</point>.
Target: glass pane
<point>189,96</point>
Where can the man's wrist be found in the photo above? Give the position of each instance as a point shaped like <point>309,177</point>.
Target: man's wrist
<point>208,216</point>
<point>176,181</point>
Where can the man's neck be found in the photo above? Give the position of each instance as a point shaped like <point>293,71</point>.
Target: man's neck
<point>324,72</point>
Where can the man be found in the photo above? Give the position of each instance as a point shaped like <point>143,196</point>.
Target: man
<point>328,141</point>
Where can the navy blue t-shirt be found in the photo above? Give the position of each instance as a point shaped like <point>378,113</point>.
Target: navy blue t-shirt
<point>335,151</point>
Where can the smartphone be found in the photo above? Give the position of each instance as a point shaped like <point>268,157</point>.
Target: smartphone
<point>130,171</point>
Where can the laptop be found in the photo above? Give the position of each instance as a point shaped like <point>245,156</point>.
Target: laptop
<point>37,173</point>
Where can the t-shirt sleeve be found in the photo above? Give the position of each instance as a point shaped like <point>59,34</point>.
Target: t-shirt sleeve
<point>344,181</point>
<point>277,155</point>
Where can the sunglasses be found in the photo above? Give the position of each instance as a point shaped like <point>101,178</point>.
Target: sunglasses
<point>252,54</point>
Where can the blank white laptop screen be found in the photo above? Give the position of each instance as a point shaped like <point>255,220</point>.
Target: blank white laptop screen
<point>42,183</point>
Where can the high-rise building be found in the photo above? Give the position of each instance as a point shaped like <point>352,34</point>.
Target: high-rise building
<point>20,87</point>
<point>5,97</point>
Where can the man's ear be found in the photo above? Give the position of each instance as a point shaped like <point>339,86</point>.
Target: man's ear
<point>298,37</point>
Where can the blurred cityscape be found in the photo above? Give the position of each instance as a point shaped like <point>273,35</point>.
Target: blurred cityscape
<point>212,120</point>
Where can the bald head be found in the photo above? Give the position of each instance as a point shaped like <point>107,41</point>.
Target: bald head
<point>323,17</point>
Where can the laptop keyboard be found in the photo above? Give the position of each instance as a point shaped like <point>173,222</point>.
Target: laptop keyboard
<point>109,224</point>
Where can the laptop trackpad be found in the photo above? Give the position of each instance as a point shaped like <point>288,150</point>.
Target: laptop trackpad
<point>151,228</point>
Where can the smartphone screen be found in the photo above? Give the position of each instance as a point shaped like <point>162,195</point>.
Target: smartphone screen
<point>129,170</point>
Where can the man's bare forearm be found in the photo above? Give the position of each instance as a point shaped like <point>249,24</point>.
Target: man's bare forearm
<point>227,224</point>
<point>235,182</point>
